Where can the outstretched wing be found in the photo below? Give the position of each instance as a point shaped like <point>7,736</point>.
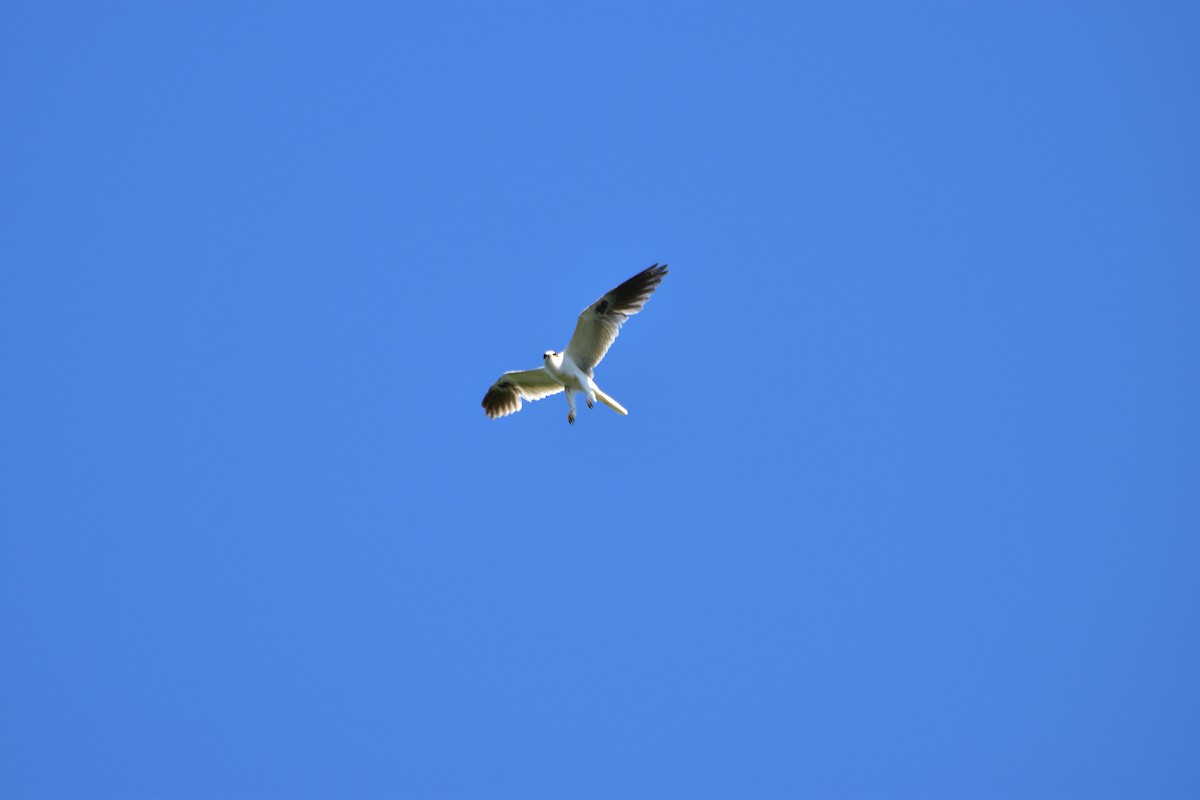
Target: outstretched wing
<point>600,322</point>
<point>506,394</point>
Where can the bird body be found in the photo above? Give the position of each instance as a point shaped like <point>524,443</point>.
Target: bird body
<point>563,369</point>
<point>573,370</point>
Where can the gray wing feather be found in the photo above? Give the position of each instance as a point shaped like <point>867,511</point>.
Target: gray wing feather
<point>600,322</point>
<point>506,394</point>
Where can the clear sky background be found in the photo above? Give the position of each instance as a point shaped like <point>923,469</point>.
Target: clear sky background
<point>907,502</point>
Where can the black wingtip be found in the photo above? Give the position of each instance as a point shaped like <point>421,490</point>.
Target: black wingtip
<point>654,271</point>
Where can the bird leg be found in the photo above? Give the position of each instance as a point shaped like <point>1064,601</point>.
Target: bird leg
<point>571,403</point>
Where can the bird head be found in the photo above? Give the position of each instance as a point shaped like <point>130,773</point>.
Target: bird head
<point>547,354</point>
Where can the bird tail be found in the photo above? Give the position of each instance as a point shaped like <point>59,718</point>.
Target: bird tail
<point>613,404</point>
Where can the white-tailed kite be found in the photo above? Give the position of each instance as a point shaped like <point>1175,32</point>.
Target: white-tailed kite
<point>572,369</point>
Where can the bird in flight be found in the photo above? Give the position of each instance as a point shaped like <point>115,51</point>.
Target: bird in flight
<point>572,370</point>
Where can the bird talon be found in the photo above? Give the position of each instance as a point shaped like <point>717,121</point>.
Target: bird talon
<point>589,402</point>
<point>571,418</point>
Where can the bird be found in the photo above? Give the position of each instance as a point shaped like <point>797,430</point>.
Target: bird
<point>573,369</point>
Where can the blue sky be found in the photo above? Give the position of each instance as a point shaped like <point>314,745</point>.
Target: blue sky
<point>906,503</point>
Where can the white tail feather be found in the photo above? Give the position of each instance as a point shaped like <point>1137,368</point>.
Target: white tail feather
<point>613,404</point>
